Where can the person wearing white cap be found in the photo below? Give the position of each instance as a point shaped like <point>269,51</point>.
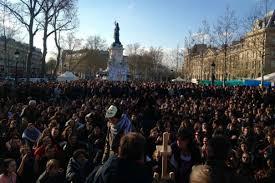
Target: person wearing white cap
<point>118,125</point>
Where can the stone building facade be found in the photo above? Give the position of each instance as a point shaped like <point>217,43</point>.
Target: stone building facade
<point>8,60</point>
<point>244,59</point>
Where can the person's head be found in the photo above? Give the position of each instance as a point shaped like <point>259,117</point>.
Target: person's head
<point>89,117</point>
<point>245,131</point>
<point>54,132</point>
<point>184,139</point>
<point>245,158</point>
<point>154,133</point>
<point>32,103</point>
<point>244,147</point>
<point>132,147</point>
<point>72,139</point>
<point>97,130</point>
<point>218,148</point>
<point>205,141</point>
<point>46,140</point>
<point>12,124</point>
<point>30,126</point>
<point>53,124</point>
<point>9,166</point>
<point>257,129</point>
<point>200,174</point>
<point>25,149</point>
<point>66,132</point>
<point>50,151</point>
<point>204,127</point>
<point>15,141</point>
<point>184,124</point>
<point>52,167</point>
<point>133,117</point>
<point>80,155</point>
<point>113,114</point>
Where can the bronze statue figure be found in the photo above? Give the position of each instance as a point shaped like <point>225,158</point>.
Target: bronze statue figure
<point>116,33</point>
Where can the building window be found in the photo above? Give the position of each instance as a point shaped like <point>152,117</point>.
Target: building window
<point>273,63</point>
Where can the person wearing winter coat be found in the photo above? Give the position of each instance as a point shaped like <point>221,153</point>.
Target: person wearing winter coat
<point>118,125</point>
<point>52,174</point>
<point>128,167</point>
<point>78,167</point>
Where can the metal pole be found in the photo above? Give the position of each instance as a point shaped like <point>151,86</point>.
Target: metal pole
<point>263,51</point>
<point>16,73</point>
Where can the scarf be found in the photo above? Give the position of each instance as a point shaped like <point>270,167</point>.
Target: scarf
<point>124,124</point>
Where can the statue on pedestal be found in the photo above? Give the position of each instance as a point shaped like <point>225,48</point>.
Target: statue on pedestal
<point>116,34</point>
<point>117,68</point>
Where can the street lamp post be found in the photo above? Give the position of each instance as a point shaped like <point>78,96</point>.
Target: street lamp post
<point>213,65</point>
<point>263,42</point>
<point>16,54</point>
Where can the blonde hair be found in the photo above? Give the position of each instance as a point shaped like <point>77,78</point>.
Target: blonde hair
<point>52,163</point>
<point>200,174</point>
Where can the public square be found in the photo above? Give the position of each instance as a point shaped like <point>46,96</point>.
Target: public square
<point>137,92</point>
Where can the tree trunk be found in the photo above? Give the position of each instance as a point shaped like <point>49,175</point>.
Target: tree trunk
<point>56,40</point>
<point>45,37</point>
<point>225,65</point>
<point>29,60</point>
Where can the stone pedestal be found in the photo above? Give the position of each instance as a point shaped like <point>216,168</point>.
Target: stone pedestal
<point>118,68</point>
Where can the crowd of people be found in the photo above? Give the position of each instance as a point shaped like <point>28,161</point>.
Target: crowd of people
<point>101,131</point>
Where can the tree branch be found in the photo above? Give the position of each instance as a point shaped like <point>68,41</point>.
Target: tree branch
<point>16,15</point>
<point>25,4</point>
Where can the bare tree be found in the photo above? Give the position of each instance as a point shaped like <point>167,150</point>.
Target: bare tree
<point>8,29</point>
<point>96,43</point>
<point>189,42</point>
<point>48,13</point>
<point>9,26</point>
<point>27,13</point>
<point>64,19</point>
<point>132,49</point>
<point>146,64</point>
<point>172,59</point>
<point>49,9</point>
<point>70,44</point>
<point>226,31</point>
<point>156,55</point>
<point>203,37</point>
<point>50,65</point>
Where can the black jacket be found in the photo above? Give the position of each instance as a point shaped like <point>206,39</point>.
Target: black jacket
<point>45,178</point>
<point>221,173</point>
<point>77,173</point>
<point>117,170</point>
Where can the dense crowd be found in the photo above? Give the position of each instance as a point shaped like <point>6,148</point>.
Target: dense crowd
<point>73,132</point>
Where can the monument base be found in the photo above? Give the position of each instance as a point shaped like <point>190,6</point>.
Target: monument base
<point>117,73</point>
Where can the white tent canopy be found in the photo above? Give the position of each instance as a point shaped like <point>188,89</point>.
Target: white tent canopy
<point>67,76</point>
<point>178,79</point>
<point>268,77</point>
